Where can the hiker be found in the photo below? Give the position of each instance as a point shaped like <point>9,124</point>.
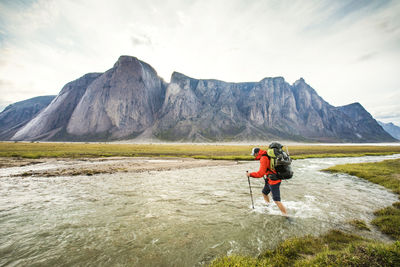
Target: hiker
<point>270,185</point>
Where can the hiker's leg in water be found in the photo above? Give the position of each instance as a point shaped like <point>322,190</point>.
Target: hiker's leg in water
<point>276,196</point>
<point>266,191</point>
<point>281,207</point>
<point>266,198</point>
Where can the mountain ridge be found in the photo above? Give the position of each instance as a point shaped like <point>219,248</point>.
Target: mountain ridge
<point>131,101</point>
<point>391,128</point>
<point>17,115</point>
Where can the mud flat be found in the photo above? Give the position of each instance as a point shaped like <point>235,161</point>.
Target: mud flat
<point>17,162</point>
<point>49,167</point>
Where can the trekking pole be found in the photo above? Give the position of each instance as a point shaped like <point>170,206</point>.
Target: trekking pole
<point>251,193</point>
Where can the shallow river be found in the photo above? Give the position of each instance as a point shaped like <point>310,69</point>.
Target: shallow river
<point>174,218</point>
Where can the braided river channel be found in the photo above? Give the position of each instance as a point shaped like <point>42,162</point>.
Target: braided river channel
<point>183,217</point>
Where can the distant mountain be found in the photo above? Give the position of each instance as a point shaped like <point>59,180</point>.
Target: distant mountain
<point>391,128</point>
<point>365,126</point>
<point>51,122</point>
<point>16,115</point>
<point>130,101</point>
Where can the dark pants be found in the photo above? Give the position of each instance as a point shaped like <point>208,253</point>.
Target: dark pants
<point>276,193</point>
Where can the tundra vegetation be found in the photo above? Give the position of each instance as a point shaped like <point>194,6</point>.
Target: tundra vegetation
<point>37,150</point>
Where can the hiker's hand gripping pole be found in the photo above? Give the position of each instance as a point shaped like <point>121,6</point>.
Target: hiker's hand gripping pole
<point>251,193</point>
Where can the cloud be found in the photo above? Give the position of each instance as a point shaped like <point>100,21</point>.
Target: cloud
<point>367,57</point>
<point>349,51</point>
<point>141,40</point>
<point>386,108</point>
<point>5,84</point>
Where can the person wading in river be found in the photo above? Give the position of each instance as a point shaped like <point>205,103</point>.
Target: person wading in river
<point>270,185</point>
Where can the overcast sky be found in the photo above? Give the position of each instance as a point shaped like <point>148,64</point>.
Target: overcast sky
<point>348,51</point>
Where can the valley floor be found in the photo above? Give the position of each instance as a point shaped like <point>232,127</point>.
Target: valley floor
<point>34,150</point>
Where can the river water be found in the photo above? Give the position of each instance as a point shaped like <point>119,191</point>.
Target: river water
<point>174,218</point>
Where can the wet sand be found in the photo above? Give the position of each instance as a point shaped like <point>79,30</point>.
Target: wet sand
<point>91,166</point>
<point>6,162</point>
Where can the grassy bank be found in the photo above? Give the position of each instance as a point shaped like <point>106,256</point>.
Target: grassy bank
<point>337,248</point>
<point>387,174</point>
<point>228,152</point>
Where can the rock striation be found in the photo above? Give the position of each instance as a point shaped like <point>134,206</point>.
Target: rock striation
<point>211,110</point>
<point>130,101</point>
<point>121,103</point>
<point>17,115</point>
<point>50,124</point>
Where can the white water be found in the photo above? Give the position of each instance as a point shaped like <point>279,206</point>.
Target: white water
<point>173,218</point>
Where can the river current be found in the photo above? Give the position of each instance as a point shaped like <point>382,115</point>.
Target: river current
<point>174,218</point>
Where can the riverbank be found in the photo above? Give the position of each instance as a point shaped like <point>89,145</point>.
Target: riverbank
<point>337,248</point>
<point>34,150</point>
<point>387,174</point>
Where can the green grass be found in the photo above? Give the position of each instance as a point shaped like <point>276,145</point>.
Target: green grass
<point>335,248</point>
<point>387,174</point>
<point>210,151</point>
<point>362,254</point>
<point>361,225</point>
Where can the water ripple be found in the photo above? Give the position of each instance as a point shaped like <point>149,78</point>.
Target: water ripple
<point>175,218</point>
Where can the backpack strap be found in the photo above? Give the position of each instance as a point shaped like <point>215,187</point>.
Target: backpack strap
<point>271,158</point>
<point>271,168</point>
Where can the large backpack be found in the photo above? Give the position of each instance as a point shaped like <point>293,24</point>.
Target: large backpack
<point>280,162</point>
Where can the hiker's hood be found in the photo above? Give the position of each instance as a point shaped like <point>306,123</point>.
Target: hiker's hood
<point>260,154</point>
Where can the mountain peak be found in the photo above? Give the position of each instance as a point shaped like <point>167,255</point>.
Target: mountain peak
<point>278,79</point>
<point>17,115</point>
<point>178,77</point>
<point>300,81</point>
<point>391,128</point>
<point>356,111</point>
<point>124,60</point>
<point>355,105</point>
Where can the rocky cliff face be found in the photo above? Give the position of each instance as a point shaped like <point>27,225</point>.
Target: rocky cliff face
<point>131,101</point>
<point>15,116</point>
<point>198,110</point>
<point>211,110</point>
<point>121,103</point>
<point>52,121</point>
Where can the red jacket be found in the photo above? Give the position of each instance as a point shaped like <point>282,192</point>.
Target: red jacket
<point>264,168</point>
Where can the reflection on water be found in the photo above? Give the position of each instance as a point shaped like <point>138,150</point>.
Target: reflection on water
<point>173,218</point>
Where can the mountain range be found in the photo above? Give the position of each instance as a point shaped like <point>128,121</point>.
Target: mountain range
<point>17,115</point>
<point>130,101</point>
<point>392,129</point>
